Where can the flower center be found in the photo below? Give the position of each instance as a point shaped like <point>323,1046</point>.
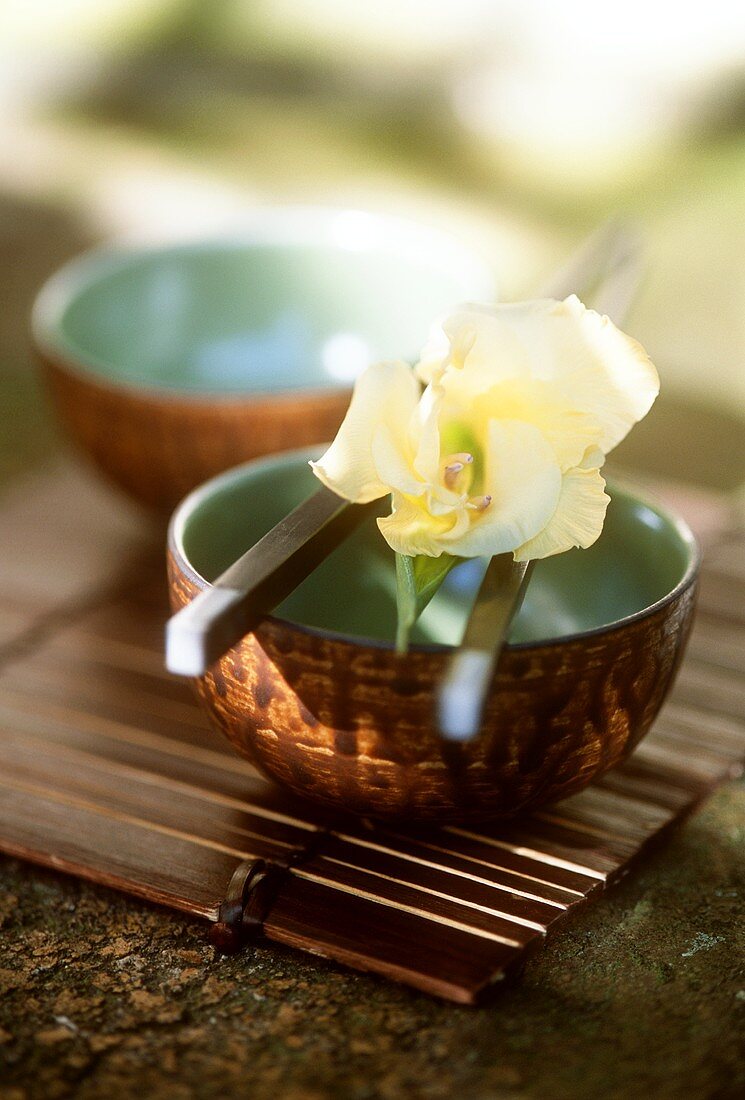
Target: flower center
<point>455,471</point>
<point>457,475</point>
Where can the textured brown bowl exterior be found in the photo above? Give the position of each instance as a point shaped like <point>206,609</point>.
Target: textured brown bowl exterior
<point>159,446</point>
<point>350,725</point>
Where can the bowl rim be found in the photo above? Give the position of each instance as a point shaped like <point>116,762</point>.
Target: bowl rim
<point>346,229</point>
<point>190,502</point>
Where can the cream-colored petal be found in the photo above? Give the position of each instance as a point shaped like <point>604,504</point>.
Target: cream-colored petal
<point>393,463</point>
<point>523,479</point>
<point>577,520</point>
<point>434,357</point>
<point>385,394</point>
<point>587,365</point>
<point>412,530</point>
<point>593,458</point>
<point>425,434</point>
<point>595,367</point>
<point>481,337</point>
<point>443,502</point>
<point>569,431</point>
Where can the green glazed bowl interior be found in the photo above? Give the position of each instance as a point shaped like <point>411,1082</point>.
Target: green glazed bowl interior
<point>642,557</point>
<point>303,302</point>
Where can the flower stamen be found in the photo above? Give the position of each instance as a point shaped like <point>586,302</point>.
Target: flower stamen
<point>479,504</point>
<point>454,467</point>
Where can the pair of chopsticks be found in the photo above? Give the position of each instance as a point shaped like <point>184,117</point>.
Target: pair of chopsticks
<point>219,616</point>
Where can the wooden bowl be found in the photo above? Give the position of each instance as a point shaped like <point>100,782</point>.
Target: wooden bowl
<point>169,365</point>
<point>319,701</point>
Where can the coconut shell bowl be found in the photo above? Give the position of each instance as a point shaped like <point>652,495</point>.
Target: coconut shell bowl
<point>318,700</point>
<point>169,365</point>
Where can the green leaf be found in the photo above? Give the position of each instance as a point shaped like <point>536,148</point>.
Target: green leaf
<point>417,581</point>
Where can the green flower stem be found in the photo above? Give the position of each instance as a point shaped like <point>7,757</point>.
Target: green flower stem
<point>417,581</point>
<point>405,601</point>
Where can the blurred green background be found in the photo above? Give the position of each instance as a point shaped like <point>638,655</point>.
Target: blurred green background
<point>519,126</point>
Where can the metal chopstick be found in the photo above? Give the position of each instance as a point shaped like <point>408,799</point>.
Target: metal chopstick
<point>462,694</point>
<point>219,616</point>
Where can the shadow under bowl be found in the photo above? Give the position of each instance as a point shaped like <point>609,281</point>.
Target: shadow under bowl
<point>319,701</point>
<point>169,365</point>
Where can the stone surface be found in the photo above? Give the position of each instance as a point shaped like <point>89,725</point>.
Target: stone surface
<point>645,993</point>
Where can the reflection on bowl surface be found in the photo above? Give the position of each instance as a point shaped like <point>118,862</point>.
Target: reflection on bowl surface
<point>205,355</point>
<point>318,700</point>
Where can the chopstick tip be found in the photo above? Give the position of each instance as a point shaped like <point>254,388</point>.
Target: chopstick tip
<point>196,635</point>
<point>460,702</point>
<point>185,651</point>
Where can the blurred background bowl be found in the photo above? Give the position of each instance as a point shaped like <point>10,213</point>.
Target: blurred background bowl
<point>168,365</point>
<point>319,701</point>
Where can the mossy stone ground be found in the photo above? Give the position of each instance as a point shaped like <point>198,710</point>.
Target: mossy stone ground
<point>644,994</point>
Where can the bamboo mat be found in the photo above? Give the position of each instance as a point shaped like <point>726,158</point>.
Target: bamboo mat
<point>108,770</point>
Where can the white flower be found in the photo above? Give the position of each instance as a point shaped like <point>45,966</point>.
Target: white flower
<point>501,450</point>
